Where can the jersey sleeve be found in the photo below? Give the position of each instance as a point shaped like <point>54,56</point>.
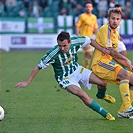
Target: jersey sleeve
<point>48,58</point>
<point>45,61</point>
<point>41,65</point>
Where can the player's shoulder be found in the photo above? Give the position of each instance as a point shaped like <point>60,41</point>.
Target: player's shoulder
<point>93,15</point>
<point>82,15</point>
<point>104,27</point>
<point>103,30</point>
<point>55,49</point>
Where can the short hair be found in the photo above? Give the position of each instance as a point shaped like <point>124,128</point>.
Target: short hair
<point>88,2</point>
<point>114,10</point>
<point>117,5</point>
<point>63,35</point>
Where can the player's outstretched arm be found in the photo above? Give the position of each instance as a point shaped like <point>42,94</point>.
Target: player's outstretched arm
<point>31,77</point>
<point>122,60</point>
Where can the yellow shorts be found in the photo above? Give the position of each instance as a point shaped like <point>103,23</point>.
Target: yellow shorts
<point>87,49</point>
<point>107,70</point>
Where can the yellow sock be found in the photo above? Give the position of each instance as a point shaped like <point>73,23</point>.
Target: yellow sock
<point>125,94</point>
<point>86,63</point>
<point>131,93</point>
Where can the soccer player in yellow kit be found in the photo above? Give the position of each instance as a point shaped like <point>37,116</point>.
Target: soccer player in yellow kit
<point>87,26</point>
<point>105,68</point>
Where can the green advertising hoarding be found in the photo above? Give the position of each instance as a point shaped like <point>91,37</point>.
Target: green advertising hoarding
<point>40,25</point>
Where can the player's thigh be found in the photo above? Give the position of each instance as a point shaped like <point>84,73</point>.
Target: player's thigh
<point>96,80</point>
<point>67,82</point>
<point>123,74</point>
<point>73,89</point>
<point>107,71</point>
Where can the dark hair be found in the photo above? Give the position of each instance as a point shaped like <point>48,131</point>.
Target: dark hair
<point>88,2</point>
<point>114,10</point>
<point>63,35</point>
<point>117,5</point>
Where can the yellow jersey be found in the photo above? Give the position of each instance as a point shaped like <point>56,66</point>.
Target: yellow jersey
<point>106,37</point>
<point>87,24</point>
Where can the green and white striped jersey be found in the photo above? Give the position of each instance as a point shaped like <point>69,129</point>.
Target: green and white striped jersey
<point>64,64</point>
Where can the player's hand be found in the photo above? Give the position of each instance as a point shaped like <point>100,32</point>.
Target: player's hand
<point>21,84</point>
<point>105,51</point>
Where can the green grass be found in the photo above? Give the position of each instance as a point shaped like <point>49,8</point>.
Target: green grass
<point>43,107</point>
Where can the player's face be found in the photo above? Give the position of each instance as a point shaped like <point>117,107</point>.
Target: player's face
<point>64,45</point>
<point>88,8</point>
<point>114,20</point>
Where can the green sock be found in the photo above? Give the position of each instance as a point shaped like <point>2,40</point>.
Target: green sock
<point>101,93</point>
<point>99,109</point>
<point>124,67</point>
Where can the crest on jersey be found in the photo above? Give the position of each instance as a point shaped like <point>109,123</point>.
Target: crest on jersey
<point>68,61</point>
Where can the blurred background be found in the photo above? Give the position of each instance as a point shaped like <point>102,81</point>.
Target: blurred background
<point>35,23</point>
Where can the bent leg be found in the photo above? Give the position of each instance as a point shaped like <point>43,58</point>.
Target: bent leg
<point>98,81</point>
<point>101,84</point>
<point>89,101</point>
<point>75,90</point>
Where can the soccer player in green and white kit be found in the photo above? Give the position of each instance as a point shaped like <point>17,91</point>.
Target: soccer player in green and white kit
<point>68,73</point>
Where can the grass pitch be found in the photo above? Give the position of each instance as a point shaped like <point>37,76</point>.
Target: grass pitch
<point>43,107</point>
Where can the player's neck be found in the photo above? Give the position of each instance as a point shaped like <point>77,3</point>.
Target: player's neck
<point>88,13</point>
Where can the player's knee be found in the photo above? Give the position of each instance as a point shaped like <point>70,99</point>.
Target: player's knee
<point>125,75</point>
<point>88,55</point>
<point>104,83</point>
<point>131,79</point>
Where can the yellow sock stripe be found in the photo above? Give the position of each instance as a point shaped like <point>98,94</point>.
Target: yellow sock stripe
<point>125,81</point>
